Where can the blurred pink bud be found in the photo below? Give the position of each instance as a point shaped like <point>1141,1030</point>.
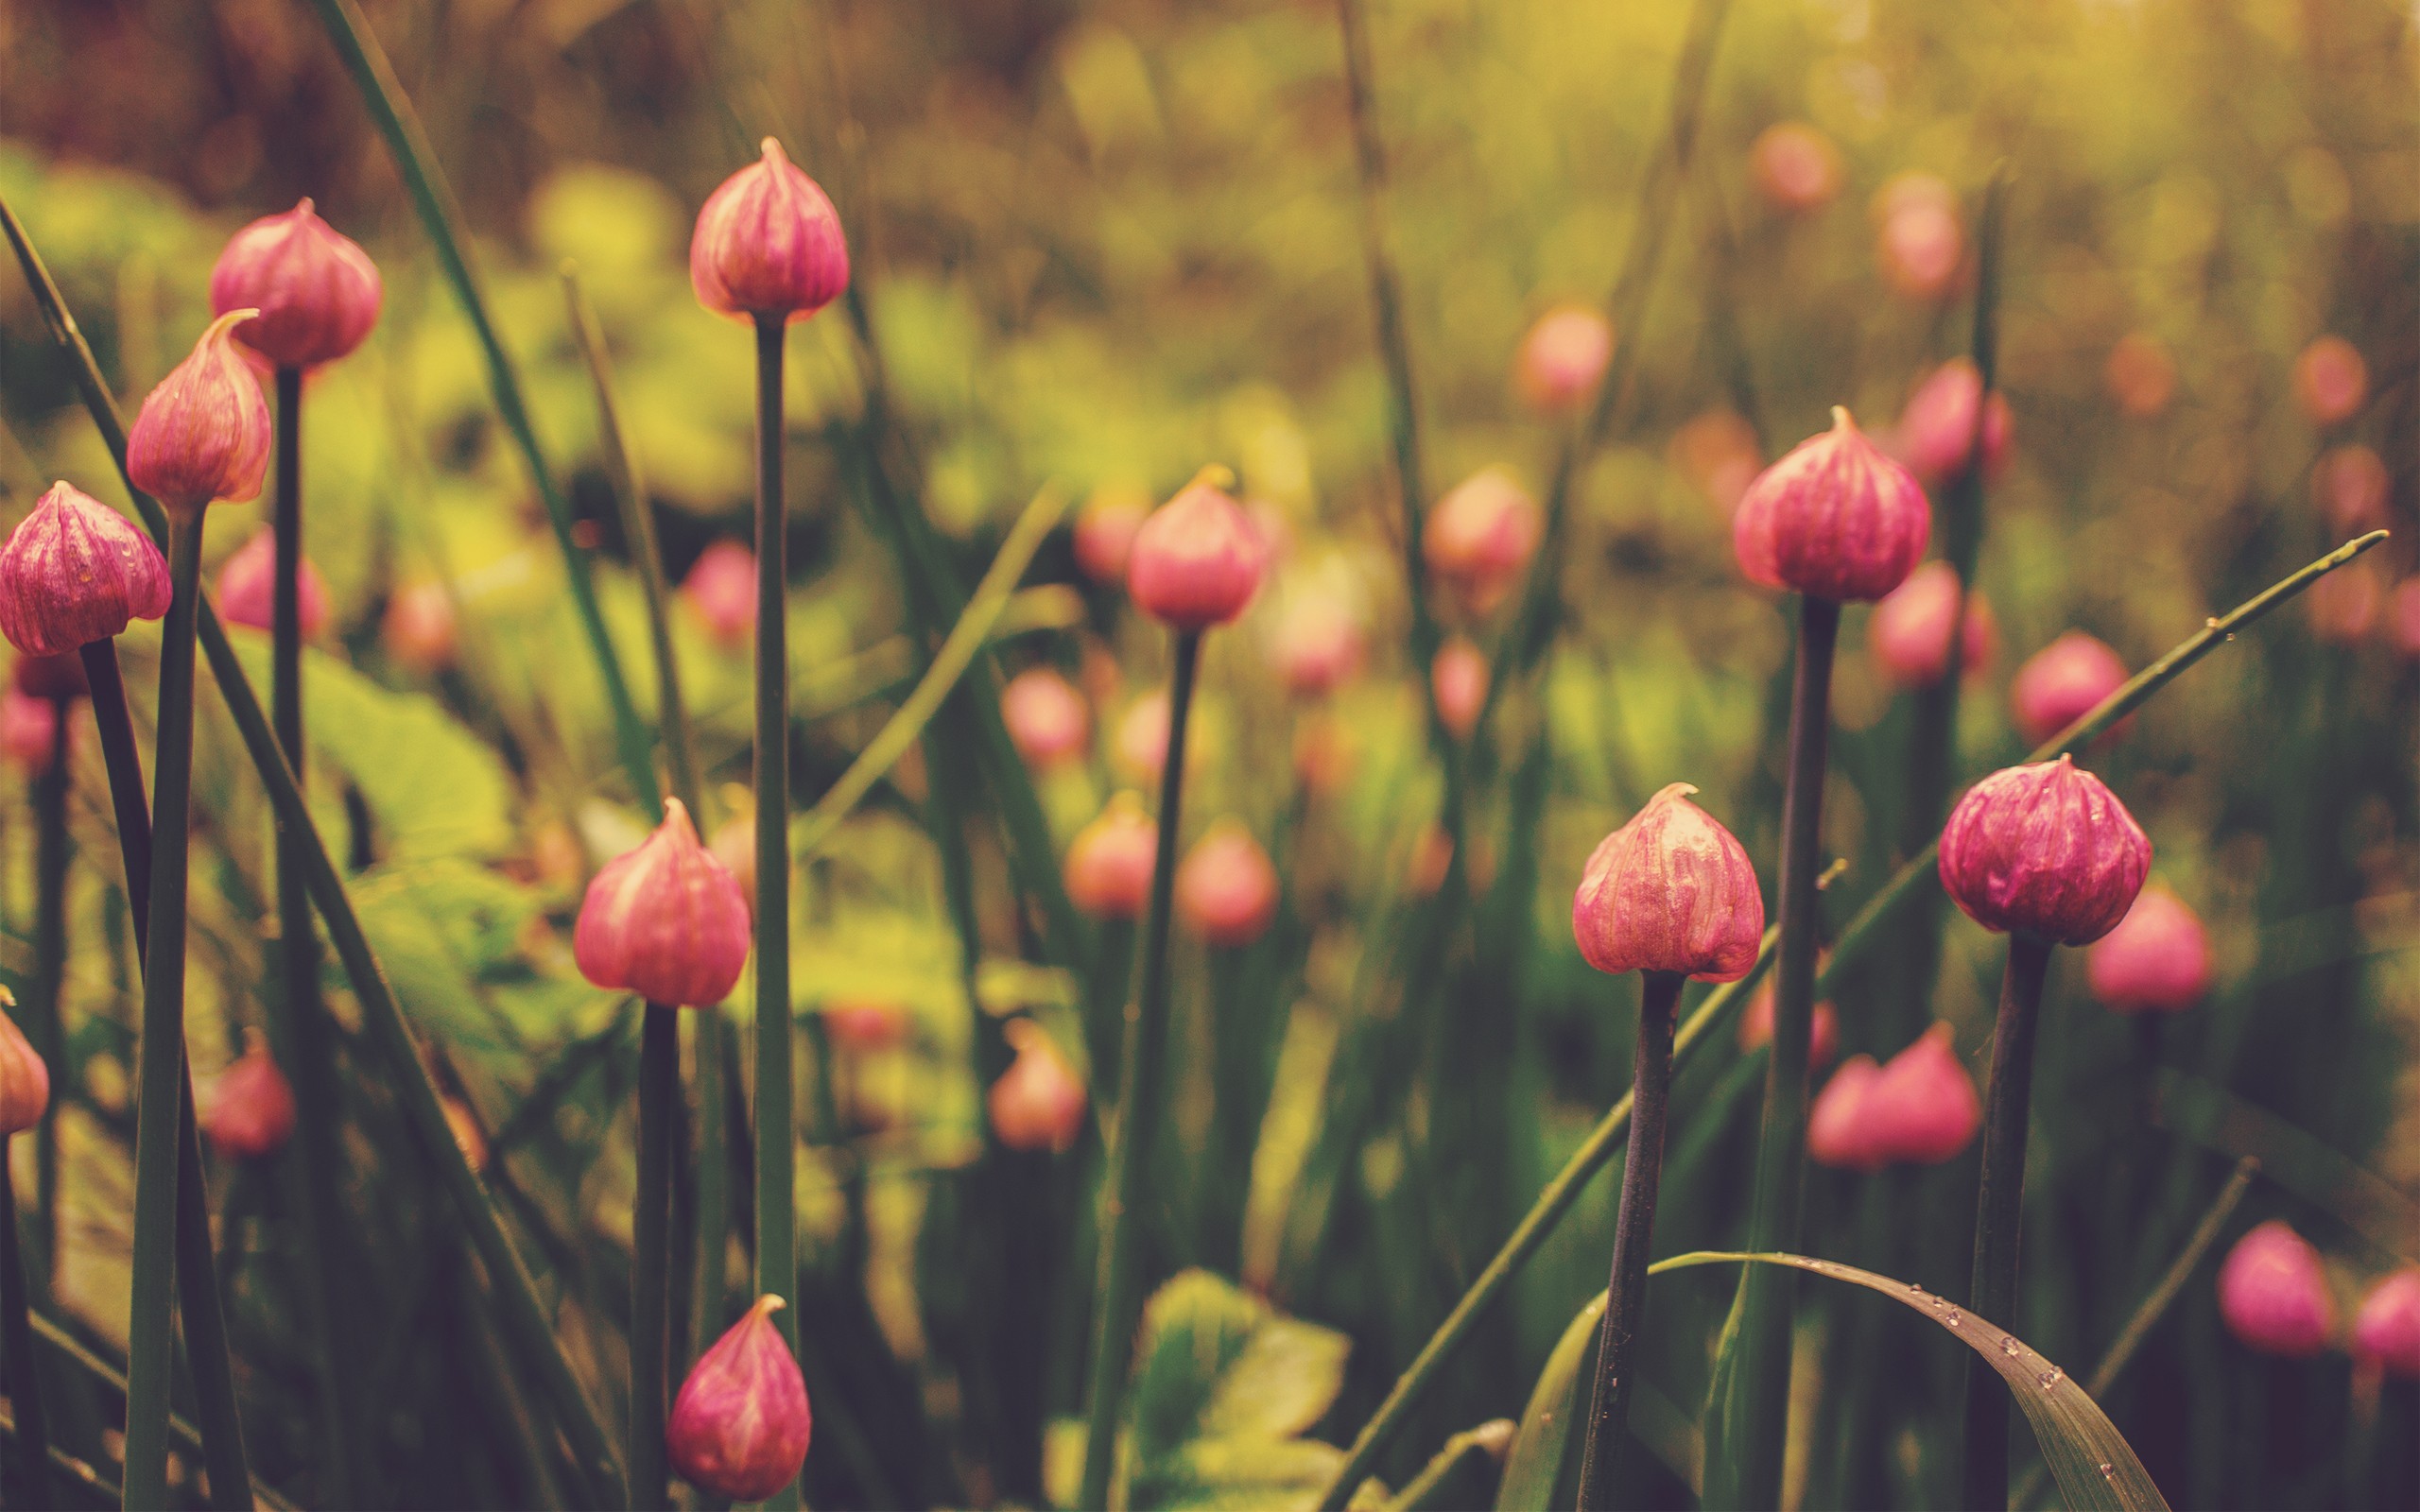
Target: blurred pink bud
<point>1104,534</point>
<point>2157,959</point>
<point>1922,1108</point>
<point>1796,167</point>
<point>2139,375</point>
<point>2044,850</point>
<point>74,571</point>
<point>251,1109</point>
<point>203,432</point>
<point>2345,604</point>
<point>863,1025</point>
<point>1937,429</point>
<point>248,588</point>
<point>1141,749</point>
<point>722,591</point>
<point>1921,243</point>
<point>1756,1026</point>
<point>1909,635</point>
<point>1198,560</point>
<point>2351,483</point>
<point>2331,381</point>
<point>1837,1133</point>
<point>1717,451</point>
<point>1037,1103</point>
<point>2387,1327</point>
<point>2403,618</point>
<point>1480,537</point>
<point>25,1081</point>
<point>1459,678</point>
<point>1563,357</point>
<point>317,292</point>
<point>58,678</point>
<point>1669,892</point>
<point>1226,890</point>
<point>665,921</point>
<point>768,243</point>
<point>2274,1295</point>
<point>1109,863</point>
<point>1834,519</point>
<point>419,629</point>
<point>1046,718</point>
<point>2064,681</point>
<point>739,1427</point>
<point>1317,645</point>
<point>28,730</point>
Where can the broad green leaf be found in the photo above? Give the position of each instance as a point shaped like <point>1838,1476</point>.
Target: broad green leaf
<point>1535,1462</point>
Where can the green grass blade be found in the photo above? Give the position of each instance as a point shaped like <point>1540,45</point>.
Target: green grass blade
<point>1435,1484</point>
<point>1543,1438</point>
<point>2362,1201</point>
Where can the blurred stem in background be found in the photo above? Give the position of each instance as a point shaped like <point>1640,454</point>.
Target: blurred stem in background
<point>30,1441</point>
<point>48,792</point>
<point>650,1241</point>
<point>1998,1204</point>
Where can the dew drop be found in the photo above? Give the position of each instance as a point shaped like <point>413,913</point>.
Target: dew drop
<point>2007,1346</point>
<point>1954,1319</point>
<point>1915,1289</point>
<point>2108,1471</point>
<point>2052,1377</point>
<point>2210,623</point>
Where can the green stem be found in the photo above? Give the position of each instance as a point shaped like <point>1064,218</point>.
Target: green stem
<point>1633,1232</point>
<point>1141,1070</point>
<point>707,1296</point>
<point>651,1243</point>
<point>1999,1205</point>
<point>50,971</point>
<point>30,1445</point>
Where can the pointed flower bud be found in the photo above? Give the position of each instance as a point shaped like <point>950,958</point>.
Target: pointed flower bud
<point>1669,892</point>
<point>1562,358</point>
<point>317,292</point>
<point>1795,166</point>
<point>1908,633</point>
<point>251,1109</point>
<point>2047,850</point>
<point>2063,683</point>
<point>1037,1103</point>
<point>1837,1132</point>
<point>1937,429</point>
<point>1459,678</point>
<point>28,730</point>
<point>740,1425</point>
<point>2387,1327</point>
<point>665,920</point>
<point>73,572</point>
<point>2273,1294</point>
<point>1198,560</point>
<point>1046,717</point>
<point>2331,381</point>
<point>768,243</point>
<point>1109,862</point>
<point>722,591</point>
<point>1922,1109</point>
<point>2157,959</point>
<point>1480,537</point>
<point>248,588</point>
<point>25,1081</point>
<point>1226,890</point>
<point>1833,519</point>
<point>203,432</point>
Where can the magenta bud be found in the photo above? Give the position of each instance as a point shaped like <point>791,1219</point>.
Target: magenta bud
<point>1109,863</point>
<point>1045,717</point>
<point>2061,684</point>
<point>2156,960</point>
<point>2387,1327</point>
<point>251,1109</point>
<point>1480,537</point>
<point>1833,519</point>
<point>722,591</point>
<point>28,728</point>
<point>25,1081</point>
<point>1937,429</point>
<point>1226,889</point>
<point>203,432</point>
<point>316,290</point>
<point>1920,242</point>
<point>1037,1103</point>
<point>665,920</point>
<point>74,571</point>
<point>1837,1131</point>
<point>1459,678</point>
<point>1669,892</point>
<point>1922,1109</point>
<point>2044,850</point>
<point>1908,633</point>
<point>248,588</point>
<point>739,1427</point>
<point>768,243</point>
<point>1562,358</point>
<point>2273,1294</point>
<point>1198,560</point>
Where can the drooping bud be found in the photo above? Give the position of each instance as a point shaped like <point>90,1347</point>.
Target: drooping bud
<point>1562,358</point>
<point>203,432</point>
<point>251,1110</point>
<point>1795,166</point>
<point>2139,375</point>
<point>58,678</point>
<point>1104,532</point>
<point>1909,635</point>
<point>2273,1294</point>
<point>1922,1108</point>
<point>768,243</point>
<point>2331,381</point>
<point>863,1025</point>
<point>248,588</point>
<point>1669,892</point>
<point>1756,1026</point>
<point>25,1081</point>
<point>1037,1103</point>
<point>2387,1327</point>
<point>2156,960</point>
<point>419,629</point>
<point>722,591</point>
<point>1046,717</point>
<point>28,730</point>
<point>1141,748</point>
<point>1837,1132</point>
<point>2045,850</point>
<point>1920,242</point>
<point>1109,863</point>
<point>665,921</point>
<point>74,571</point>
<point>1316,644</point>
<point>317,293</point>
<point>2061,684</point>
<point>1226,890</point>
<point>1459,678</point>
<point>1833,519</point>
<point>1198,560</point>
<point>1937,429</point>
<point>1479,538</point>
<point>740,1425</point>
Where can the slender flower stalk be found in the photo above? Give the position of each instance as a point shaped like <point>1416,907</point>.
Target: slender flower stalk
<point>25,1100</point>
<point>49,797</point>
<point>650,1240</point>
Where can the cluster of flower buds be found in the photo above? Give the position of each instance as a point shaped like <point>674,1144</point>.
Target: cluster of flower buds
<point>1919,1107</point>
<point>2275,1299</point>
<point>665,920</point>
<point>1833,519</point>
<point>740,1424</point>
<point>2046,850</point>
<point>1671,890</point>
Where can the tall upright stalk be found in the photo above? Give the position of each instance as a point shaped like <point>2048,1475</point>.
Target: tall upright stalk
<point>2007,1103</point>
<point>29,1444</point>
<point>1141,1070</point>
<point>50,973</point>
<point>650,1243</point>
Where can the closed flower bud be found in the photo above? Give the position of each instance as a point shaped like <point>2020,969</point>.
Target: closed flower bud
<point>1922,1109</point>
<point>2157,959</point>
<point>768,243</point>
<point>1198,560</point>
<point>1909,635</point>
<point>1037,1103</point>
<point>665,920</point>
<point>2387,1327</point>
<point>1459,678</point>
<point>2351,484</point>
<point>419,629</point>
<point>722,591</point>
<point>2139,375</point>
<point>317,292</point>
<point>1937,429</point>
<point>863,1025</point>
<point>1480,537</point>
<point>1795,166</point>
<point>248,588</point>
<point>28,730</point>
<point>1921,243</point>
<point>1563,357</point>
<point>251,1109</point>
<point>2045,850</point>
<point>1669,892</point>
<point>1837,1132</point>
<point>1226,890</point>
<point>25,1081</point>
<point>1104,532</point>
<point>2061,684</point>
<point>1317,645</point>
<point>58,678</point>
<point>1834,519</point>
<point>1045,717</point>
<point>73,572</point>
<point>1756,1026</point>
<point>1141,748</point>
<point>2331,381</point>
<point>739,1427</point>
<point>1109,863</point>
<point>2274,1295</point>
<point>203,432</point>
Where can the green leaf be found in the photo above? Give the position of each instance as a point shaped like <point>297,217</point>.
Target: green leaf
<point>1535,1462</point>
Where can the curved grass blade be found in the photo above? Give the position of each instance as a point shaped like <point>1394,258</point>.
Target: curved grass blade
<point>2304,1164</point>
<point>1433,1486</point>
<point>1535,1462</point>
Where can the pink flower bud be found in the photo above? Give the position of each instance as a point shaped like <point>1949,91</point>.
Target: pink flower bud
<point>1796,167</point>
<point>2157,959</point>
<point>251,1109</point>
<point>1479,538</point>
<point>2344,605</point>
<point>1837,1132</point>
<point>1459,678</point>
<point>665,920</point>
<point>2350,483</point>
<point>1037,1103</point>
<point>1104,534</point>
<point>58,678</point>
<point>1317,645</point>
<point>863,1025</point>
<point>203,432</point>
<point>25,1081</point>
<point>248,588</point>
<point>2274,1295</point>
<point>739,1427</point>
<point>1563,357</point>
<point>722,591</point>
<point>2061,684</point>
<point>317,292</point>
<point>1909,635</point>
<point>1834,519</point>
<point>1669,892</point>
<point>1198,560</point>
<point>1045,717</point>
<point>1716,450</point>
<point>1922,1108</point>
<point>1937,429</point>
<point>1109,863</point>
<point>1756,1026</point>
<point>73,572</point>
<point>1226,890</point>
<point>419,629</point>
<point>2387,1327</point>
<point>1921,243</point>
<point>28,730</point>
<point>768,243</point>
<point>2403,619</point>
<point>1141,749</point>
<point>2045,850</point>
<point>2139,375</point>
<point>2331,381</point>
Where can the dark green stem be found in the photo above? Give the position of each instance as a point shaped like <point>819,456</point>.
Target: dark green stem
<point>29,1446</point>
<point>50,971</point>
<point>708,1034</point>
<point>1633,1232</point>
<point>1141,1068</point>
<point>1998,1204</point>
<point>651,1244</point>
